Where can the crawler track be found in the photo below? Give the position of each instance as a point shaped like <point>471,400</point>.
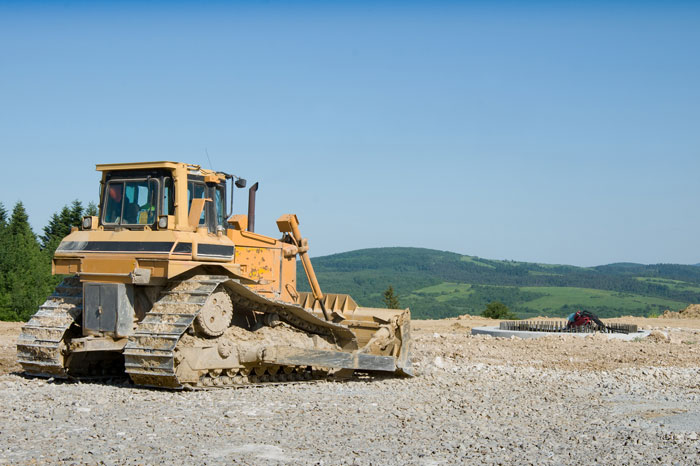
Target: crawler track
<point>41,347</point>
<point>150,356</point>
<point>242,379</point>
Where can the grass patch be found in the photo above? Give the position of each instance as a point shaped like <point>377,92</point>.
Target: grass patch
<point>445,291</point>
<point>556,297</point>
<point>673,284</point>
<point>476,261</point>
<point>544,274</point>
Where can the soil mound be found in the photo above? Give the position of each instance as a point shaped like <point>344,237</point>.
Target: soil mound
<point>658,337</point>
<point>690,312</point>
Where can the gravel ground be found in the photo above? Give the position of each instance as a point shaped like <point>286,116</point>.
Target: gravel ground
<point>476,400</point>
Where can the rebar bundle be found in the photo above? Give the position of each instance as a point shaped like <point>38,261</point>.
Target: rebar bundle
<point>561,326</point>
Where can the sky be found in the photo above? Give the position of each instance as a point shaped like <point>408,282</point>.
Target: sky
<point>555,132</point>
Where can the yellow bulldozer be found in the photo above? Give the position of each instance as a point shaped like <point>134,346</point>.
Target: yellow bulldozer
<point>167,285</point>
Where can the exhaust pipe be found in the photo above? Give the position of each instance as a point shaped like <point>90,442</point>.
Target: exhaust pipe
<point>251,207</point>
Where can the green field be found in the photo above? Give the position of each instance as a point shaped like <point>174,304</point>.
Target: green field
<point>545,300</point>
<point>445,291</point>
<point>557,298</point>
<point>673,284</point>
<point>477,261</point>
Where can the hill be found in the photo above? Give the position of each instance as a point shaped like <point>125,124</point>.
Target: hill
<point>439,284</point>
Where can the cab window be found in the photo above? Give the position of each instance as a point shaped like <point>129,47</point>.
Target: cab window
<point>220,206</point>
<point>196,190</point>
<point>131,202</point>
<point>168,197</point>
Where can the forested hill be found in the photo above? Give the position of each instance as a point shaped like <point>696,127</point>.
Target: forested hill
<point>438,284</point>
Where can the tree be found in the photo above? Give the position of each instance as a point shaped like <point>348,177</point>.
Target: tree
<point>24,269</point>
<point>60,224</point>
<point>58,227</point>
<point>25,260</point>
<point>76,214</point>
<point>498,310</point>
<point>91,209</point>
<point>3,216</point>
<point>390,299</point>
<point>4,297</point>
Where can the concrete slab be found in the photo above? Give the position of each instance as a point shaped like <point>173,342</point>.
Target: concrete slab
<point>497,332</point>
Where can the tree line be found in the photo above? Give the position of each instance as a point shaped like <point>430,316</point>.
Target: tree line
<point>25,257</point>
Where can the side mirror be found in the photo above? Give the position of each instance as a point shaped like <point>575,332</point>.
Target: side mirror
<point>240,183</point>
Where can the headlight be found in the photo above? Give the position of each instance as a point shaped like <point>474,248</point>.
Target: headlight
<point>87,223</point>
<point>163,222</point>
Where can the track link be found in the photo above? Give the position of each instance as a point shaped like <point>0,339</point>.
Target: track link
<point>246,378</point>
<point>150,357</point>
<point>40,346</point>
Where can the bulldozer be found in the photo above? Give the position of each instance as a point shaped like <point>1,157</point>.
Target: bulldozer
<point>171,287</point>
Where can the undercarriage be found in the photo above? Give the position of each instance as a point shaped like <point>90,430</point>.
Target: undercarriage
<point>209,331</point>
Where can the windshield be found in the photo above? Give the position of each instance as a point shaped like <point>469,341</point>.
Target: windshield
<point>131,202</point>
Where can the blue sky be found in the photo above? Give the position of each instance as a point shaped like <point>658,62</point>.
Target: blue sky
<point>556,132</point>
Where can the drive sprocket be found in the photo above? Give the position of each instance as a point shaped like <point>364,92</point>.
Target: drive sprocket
<point>215,316</point>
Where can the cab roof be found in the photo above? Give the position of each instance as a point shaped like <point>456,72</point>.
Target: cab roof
<point>191,168</point>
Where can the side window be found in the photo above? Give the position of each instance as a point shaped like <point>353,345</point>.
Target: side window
<point>168,197</point>
<point>196,191</point>
<point>113,202</point>
<point>220,206</point>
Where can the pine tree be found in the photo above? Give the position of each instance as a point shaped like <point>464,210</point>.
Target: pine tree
<point>25,260</point>
<point>4,296</point>
<point>91,209</point>
<point>58,227</point>
<point>19,222</point>
<point>3,216</point>
<point>390,299</point>
<point>60,224</point>
<point>76,213</point>
<point>25,270</point>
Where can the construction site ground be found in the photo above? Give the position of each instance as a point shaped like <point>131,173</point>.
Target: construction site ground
<point>480,400</point>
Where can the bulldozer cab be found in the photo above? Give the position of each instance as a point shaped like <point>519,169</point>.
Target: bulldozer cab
<point>134,197</point>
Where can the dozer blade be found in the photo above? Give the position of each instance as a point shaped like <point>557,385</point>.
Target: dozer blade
<point>291,356</point>
<point>379,332</point>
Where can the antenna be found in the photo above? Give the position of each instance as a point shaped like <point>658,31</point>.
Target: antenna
<point>210,164</point>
